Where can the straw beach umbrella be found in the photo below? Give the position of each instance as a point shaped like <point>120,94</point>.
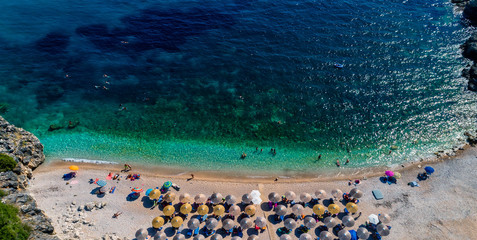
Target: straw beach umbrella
<point>252,237</point>
<point>211,223</point>
<point>274,197</point>
<point>325,235</point>
<point>358,194</point>
<point>305,197</point>
<point>247,198</point>
<point>168,210</point>
<point>246,223</point>
<point>353,191</point>
<point>184,198</point>
<point>385,218</point>
<point>285,237</point>
<point>219,210</point>
<point>250,210</point>
<point>230,199</point>
<point>397,175</point>
<point>330,222</point>
<point>290,195</point>
<point>216,237</point>
<point>179,236</point>
<point>352,207</point>
<point>160,236</point>
<point>363,233</point>
<point>141,234</point>
<point>176,221</point>
<point>234,210</point>
<point>228,224</point>
<point>216,198</point>
<point>202,210</point>
<point>154,194</point>
<point>382,229</point>
<point>281,210</point>
<point>260,222</point>
<point>290,223</point>
<point>305,236</point>
<point>170,197</point>
<point>336,193</point>
<point>193,223</point>
<point>157,222</point>
<point>186,208</point>
<point>348,221</point>
<point>333,208</point>
<point>319,209</point>
<point>200,198</point>
<point>344,235</point>
<point>309,222</point>
<point>320,194</point>
<point>297,209</point>
<point>199,237</point>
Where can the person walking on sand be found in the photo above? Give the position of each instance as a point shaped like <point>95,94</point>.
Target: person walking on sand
<point>337,163</point>
<point>347,161</point>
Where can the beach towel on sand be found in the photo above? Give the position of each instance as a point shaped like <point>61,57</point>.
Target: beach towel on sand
<point>377,194</point>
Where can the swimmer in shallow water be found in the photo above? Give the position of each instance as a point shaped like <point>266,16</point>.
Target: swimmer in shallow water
<point>337,163</point>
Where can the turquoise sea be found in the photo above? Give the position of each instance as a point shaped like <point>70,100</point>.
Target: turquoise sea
<point>194,84</point>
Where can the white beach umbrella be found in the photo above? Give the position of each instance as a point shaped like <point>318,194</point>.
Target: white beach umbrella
<point>373,219</point>
<point>337,193</point>
<point>382,229</point>
<point>199,237</point>
<point>344,235</point>
<point>230,199</point>
<point>160,236</point>
<point>260,222</point>
<point>255,194</point>
<point>274,197</point>
<point>193,223</point>
<point>211,223</point>
<point>362,233</point>
<point>216,198</point>
<point>200,198</point>
<point>320,194</point>
<point>216,237</point>
<point>305,197</point>
<point>247,198</point>
<point>290,223</point>
<point>256,200</point>
<point>305,236</point>
<point>325,235</point>
<point>246,223</point>
<point>330,222</point>
<point>385,218</point>
<point>184,198</point>
<point>179,236</point>
<point>228,224</point>
<point>234,210</point>
<point>348,221</point>
<point>141,234</point>
<point>285,237</point>
<point>297,209</point>
<point>281,210</point>
<point>290,195</point>
<point>309,222</point>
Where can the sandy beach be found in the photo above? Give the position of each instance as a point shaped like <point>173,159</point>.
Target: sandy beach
<point>443,207</point>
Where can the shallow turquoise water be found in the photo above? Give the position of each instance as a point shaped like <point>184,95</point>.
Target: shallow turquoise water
<point>194,84</point>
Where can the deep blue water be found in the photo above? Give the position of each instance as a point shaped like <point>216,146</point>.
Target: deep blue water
<point>177,82</point>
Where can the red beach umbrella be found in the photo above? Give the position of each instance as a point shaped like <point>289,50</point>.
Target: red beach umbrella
<point>137,189</point>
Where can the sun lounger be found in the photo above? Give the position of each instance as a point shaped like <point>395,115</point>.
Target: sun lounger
<point>377,194</point>
<point>196,231</point>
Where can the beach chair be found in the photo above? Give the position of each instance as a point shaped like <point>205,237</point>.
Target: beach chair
<point>378,195</point>
<point>203,218</point>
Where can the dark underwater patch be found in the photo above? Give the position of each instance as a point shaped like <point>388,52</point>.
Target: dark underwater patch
<point>53,43</point>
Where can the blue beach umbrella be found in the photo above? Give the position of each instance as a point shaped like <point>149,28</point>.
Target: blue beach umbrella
<point>354,235</point>
<point>102,183</point>
<point>429,169</point>
<point>148,191</point>
<point>167,184</point>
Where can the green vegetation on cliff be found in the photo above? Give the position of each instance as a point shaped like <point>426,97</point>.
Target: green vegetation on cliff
<point>11,228</point>
<point>7,163</point>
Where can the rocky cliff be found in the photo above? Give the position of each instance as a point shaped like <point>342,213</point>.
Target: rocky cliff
<point>469,48</point>
<point>27,151</point>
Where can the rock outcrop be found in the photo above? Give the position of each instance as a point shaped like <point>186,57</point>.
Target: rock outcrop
<point>469,48</point>
<point>27,151</point>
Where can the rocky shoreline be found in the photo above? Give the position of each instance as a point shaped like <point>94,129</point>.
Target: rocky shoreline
<point>469,48</point>
<point>27,151</point>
